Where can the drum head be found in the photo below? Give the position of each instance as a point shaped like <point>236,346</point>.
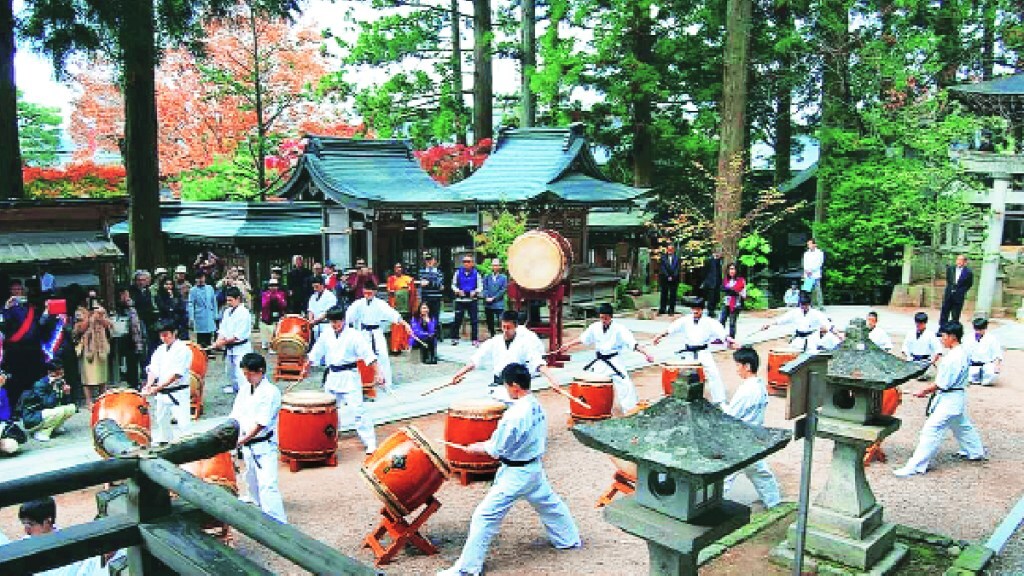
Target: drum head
<point>536,261</point>
<point>678,364</point>
<point>307,398</point>
<point>592,378</point>
<point>477,407</point>
<point>420,440</point>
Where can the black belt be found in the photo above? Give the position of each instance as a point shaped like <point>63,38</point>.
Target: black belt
<point>801,334</point>
<point>265,438</point>
<point>369,326</point>
<point>238,343</point>
<point>693,349</point>
<point>931,399</point>
<point>373,341</point>
<point>171,389</point>
<point>606,358</point>
<point>343,367</point>
<point>978,363</point>
<point>920,357</point>
<point>516,463</point>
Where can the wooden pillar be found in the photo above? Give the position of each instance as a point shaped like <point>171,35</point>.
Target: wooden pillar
<point>107,294</point>
<point>419,241</point>
<point>993,240</point>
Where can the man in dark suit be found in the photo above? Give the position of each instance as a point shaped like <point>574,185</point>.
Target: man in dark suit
<point>668,278</point>
<point>711,284</point>
<point>959,280</point>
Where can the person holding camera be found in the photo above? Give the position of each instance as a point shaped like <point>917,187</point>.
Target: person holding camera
<point>23,359</point>
<point>48,404</point>
<point>92,344</point>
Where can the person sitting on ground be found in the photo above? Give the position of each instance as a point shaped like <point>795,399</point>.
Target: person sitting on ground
<point>424,327</point>
<point>986,354</point>
<point>47,405</point>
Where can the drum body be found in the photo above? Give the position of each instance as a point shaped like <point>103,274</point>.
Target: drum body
<point>539,259</point>
<point>131,412</point>
<point>471,421</point>
<point>672,370</point>
<point>308,426</point>
<point>293,336</point>
<point>595,390</point>
<point>366,377</point>
<point>405,471</point>
<point>197,378</point>
<point>891,400</point>
<point>219,470</point>
<point>777,381</point>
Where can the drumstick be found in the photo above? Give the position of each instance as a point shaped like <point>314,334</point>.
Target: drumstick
<point>579,401</point>
<point>445,385</point>
<point>422,343</point>
<point>452,444</point>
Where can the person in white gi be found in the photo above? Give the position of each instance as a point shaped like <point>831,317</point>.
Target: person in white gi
<point>320,302</point>
<point>921,345</point>
<point>806,324</point>
<point>877,335</point>
<point>947,407</point>
<point>515,345</point>
<point>748,404</point>
<point>814,261</point>
<point>167,385</point>
<point>986,354</point>
<point>828,338</point>
<point>519,443</point>
<point>367,316</point>
<point>255,409</point>
<point>698,332</point>
<point>610,341</point>
<point>233,336</point>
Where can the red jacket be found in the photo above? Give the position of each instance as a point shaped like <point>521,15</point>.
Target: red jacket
<point>273,305</point>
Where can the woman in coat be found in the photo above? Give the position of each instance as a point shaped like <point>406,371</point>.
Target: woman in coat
<point>92,344</point>
<point>171,308</point>
<point>734,287</point>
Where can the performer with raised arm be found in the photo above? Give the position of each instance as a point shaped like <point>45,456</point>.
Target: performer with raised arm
<point>698,331</point>
<point>367,315</point>
<point>611,340</point>
<point>806,324</point>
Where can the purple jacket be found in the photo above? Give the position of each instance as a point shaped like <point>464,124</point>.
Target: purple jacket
<point>422,332</point>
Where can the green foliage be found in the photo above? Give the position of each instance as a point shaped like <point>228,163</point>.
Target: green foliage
<point>754,250</point>
<point>494,243</point>
<point>222,180</point>
<point>756,298</point>
<point>39,131</point>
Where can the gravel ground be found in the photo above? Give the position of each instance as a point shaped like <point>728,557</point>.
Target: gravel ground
<point>961,500</point>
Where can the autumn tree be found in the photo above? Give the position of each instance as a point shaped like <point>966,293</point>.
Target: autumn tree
<point>39,131</point>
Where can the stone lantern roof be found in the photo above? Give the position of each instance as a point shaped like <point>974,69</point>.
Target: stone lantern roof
<point>860,363</point>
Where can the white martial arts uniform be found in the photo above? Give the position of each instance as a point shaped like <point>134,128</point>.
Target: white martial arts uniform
<point>609,346</point>
<point>881,338</point>
<point>319,304</point>
<point>525,348</point>
<point>342,352</point>
<point>261,406</point>
<point>519,441</point>
<point>235,323</point>
<point>806,328</point>
<point>829,341</point>
<point>748,404</point>
<point>947,409</point>
<point>697,336</point>
<point>173,401</point>
<point>368,318</point>
<point>983,356</point>
<point>921,347</point>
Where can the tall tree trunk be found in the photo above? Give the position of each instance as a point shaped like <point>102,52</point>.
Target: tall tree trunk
<point>947,28</point>
<point>140,129</point>
<point>643,141</point>
<point>529,61</point>
<point>483,83</point>
<point>460,129</point>
<point>729,183</point>
<point>11,184</point>
<point>833,35</point>
<point>261,127</point>
<point>784,96</point>
<point>988,39</point>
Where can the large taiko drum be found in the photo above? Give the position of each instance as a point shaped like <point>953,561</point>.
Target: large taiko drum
<point>308,428</point>
<point>405,471</point>
<point>539,259</point>
<point>673,370</point>
<point>131,412</point>
<point>293,336</point>
<point>218,470</point>
<point>197,379</point>
<point>472,421</point>
<point>777,381</point>
<point>597,391</point>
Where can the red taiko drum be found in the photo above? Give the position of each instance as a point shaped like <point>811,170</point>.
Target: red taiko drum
<point>197,379</point>
<point>539,259</point>
<point>595,390</point>
<point>366,377</point>
<point>219,470</point>
<point>405,471</point>
<point>777,381</point>
<point>131,412</point>
<point>308,426</point>
<point>471,421</point>
<point>672,370</point>
<point>891,400</point>
<point>293,336</point>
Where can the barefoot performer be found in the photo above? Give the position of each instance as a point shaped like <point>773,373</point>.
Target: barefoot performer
<point>698,332</point>
<point>519,443</point>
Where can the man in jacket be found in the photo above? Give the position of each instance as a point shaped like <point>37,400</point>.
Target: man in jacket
<point>668,278</point>
<point>431,281</point>
<point>711,284</point>
<point>495,288</point>
<point>47,405</point>
<point>959,280</point>
<point>202,310</point>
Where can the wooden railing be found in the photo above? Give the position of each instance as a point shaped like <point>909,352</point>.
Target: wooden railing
<point>162,536</point>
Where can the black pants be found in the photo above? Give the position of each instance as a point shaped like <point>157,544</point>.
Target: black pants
<point>950,311</point>
<point>428,353</point>
<point>731,317</point>
<point>711,298</point>
<point>474,319</point>
<point>669,293</point>
<point>132,362</point>
<point>492,315</point>
<point>25,364</point>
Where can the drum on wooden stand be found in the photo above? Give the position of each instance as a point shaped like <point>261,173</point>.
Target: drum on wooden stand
<point>308,429</point>
<point>597,391</point>
<point>218,470</point>
<point>293,336</point>
<point>366,377</point>
<point>672,370</point>
<point>197,379</point>
<point>405,471</point>
<point>539,259</point>
<point>471,421</point>
<point>778,382</point>
<point>131,412</point>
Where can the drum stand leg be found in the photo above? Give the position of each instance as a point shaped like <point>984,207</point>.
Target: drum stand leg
<point>291,368</point>
<point>464,475</point>
<point>621,482</point>
<point>875,452</point>
<point>400,533</point>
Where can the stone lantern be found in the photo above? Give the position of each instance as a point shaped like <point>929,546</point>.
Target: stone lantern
<point>684,448</point>
<point>844,523</point>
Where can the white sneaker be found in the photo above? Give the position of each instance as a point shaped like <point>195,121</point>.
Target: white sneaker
<point>905,472</point>
<point>227,390</point>
<point>41,437</point>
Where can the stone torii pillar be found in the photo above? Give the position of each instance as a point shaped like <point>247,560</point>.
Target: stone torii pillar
<point>993,240</point>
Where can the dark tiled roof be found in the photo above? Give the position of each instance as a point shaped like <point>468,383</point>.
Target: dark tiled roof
<point>236,220</point>
<point>55,246</point>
